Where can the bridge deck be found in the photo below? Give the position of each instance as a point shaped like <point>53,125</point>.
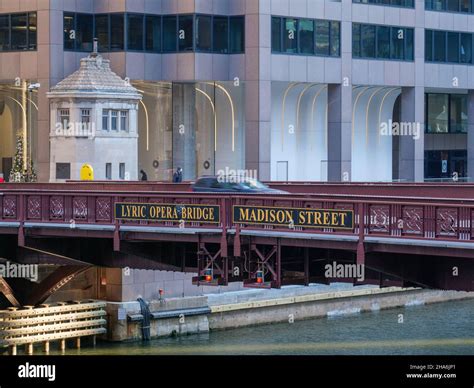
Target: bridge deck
<point>426,220</point>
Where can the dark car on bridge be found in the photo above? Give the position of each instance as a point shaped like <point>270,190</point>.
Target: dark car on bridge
<point>232,184</point>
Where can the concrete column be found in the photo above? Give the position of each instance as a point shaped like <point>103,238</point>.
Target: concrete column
<point>339,132</point>
<point>340,107</point>
<point>253,101</point>
<point>411,149</point>
<point>420,88</point>
<point>470,135</point>
<point>406,155</point>
<point>184,129</point>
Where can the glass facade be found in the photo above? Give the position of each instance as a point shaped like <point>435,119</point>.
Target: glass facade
<point>465,6</point>
<point>446,113</point>
<point>382,42</point>
<point>18,117</point>
<point>198,126</point>
<point>151,33</point>
<point>444,164</point>
<point>203,33</point>
<point>18,32</point>
<point>448,46</point>
<point>393,3</point>
<point>305,36</point>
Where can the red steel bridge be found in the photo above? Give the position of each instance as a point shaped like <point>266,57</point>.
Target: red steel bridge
<point>404,234</point>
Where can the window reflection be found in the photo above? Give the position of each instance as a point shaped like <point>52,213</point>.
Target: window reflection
<point>446,113</point>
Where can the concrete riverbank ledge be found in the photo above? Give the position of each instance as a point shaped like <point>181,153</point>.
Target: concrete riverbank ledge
<point>192,315</point>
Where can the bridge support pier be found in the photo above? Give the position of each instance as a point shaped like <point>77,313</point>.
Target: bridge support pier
<point>216,263</point>
<point>306,267</point>
<point>263,260</point>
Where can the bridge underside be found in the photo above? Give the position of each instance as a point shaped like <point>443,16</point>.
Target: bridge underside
<point>242,258</point>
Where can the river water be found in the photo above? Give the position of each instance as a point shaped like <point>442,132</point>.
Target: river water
<point>436,329</point>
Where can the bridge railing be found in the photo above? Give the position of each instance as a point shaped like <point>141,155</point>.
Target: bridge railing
<point>389,216</point>
<point>397,218</point>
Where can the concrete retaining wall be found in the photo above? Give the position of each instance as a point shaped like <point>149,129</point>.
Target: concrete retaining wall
<point>321,305</point>
<point>259,311</point>
<point>120,329</point>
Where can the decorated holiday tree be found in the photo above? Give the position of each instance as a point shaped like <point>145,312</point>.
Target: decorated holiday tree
<point>18,173</point>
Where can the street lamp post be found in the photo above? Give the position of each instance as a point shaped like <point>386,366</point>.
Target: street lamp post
<point>29,150</point>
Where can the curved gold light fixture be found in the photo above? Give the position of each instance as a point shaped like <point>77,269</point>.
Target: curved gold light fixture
<point>380,109</point>
<point>298,104</point>
<point>354,108</point>
<point>147,126</point>
<point>208,97</point>
<point>315,98</point>
<point>28,99</point>
<point>285,95</point>
<point>231,102</point>
<point>367,114</point>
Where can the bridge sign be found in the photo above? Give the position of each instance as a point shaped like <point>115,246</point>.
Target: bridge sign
<point>303,217</point>
<point>167,212</point>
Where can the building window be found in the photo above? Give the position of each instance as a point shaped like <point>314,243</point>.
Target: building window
<point>84,32</point>
<point>458,113</point>
<point>305,36</point>
<point>4,32</point>
<point>135,32</point>
<point>146,33</point>
<point>464,6</point>
<point>356,40</point>
<point>32,31</point>
<point>185,32</point>
<point>108,171</point>
<point>393,3</point>
<point>448,46</point>
<point>290,36</point>
<point>86,119</point>
<point>444,164</point>
<point>114,120</point>
<point>18,31</point>
<point>221,34</point>
<point>335,33</point>
<point>446,113</point>
<point>19,36</point>
<point>122,171</point>
<point>466,48</point>
<point>170,34</point>
<point>69,27</point>
<point>437,106</point>
<point>153,33</point>
<point>117,32</point>
<point>78,31</point>
<point>322,37</point>
<point>102,32</point>
<point>203,33</point>
<point>64,118</point>
<point>105,119</point>
<point>237,35</point>
<point>63,170</point>
<point>382,42</point>
<point>367,41</point>
<point>276,34</point>
<point>124,120</point>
